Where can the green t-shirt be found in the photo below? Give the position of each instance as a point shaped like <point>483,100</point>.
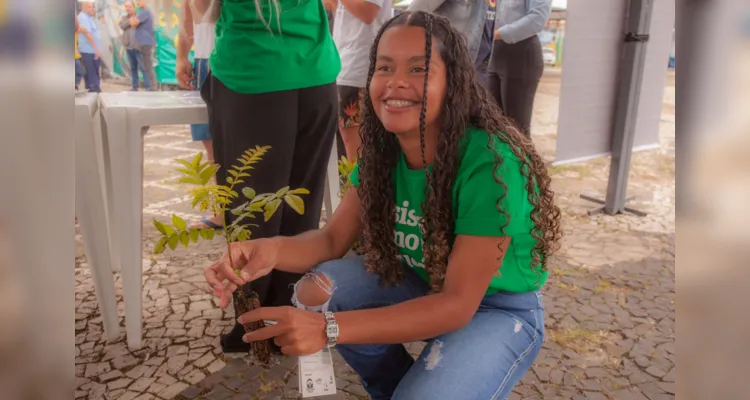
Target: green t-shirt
<point>475,195</point>
<point>250,59</point>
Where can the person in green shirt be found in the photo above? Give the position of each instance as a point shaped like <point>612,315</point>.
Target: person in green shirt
<point>272,83</point>
<point>458,219</point>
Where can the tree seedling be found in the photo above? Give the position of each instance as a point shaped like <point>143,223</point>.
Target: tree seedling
<point>209,196</point>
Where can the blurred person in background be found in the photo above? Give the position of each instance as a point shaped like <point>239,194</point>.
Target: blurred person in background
<point>200,36</point>
<point>467,16</point>
<point>143,23</point>
<point>272,82</point>
<point>79,67</point>
<point>516,65</point>
<point>89,45</point>
<point>485,44</point>
<point>356,25</point>
<point>132,47</point>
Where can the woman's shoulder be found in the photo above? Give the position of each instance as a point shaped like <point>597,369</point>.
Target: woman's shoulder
<point>480,147</point>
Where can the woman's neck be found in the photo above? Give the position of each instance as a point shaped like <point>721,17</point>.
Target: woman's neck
<point>412,147</point>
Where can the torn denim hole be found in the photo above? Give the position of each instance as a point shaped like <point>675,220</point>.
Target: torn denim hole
<point>323,282</point>
<point>517,327</point>
<point>433,357</point>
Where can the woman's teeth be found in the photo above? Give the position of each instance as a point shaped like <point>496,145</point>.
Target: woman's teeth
<point>399,103</point>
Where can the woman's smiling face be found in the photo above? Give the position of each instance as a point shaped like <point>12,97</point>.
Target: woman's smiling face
<point>397,85</point>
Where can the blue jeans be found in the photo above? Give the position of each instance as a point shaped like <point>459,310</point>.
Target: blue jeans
<point>483,360</point>
<point>91,78</point>
<point>136,63</point>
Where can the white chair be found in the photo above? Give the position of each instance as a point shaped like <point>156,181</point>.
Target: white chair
<point>127,116</point>
<point>91,207</point>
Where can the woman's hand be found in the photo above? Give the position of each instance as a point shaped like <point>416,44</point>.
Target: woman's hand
<point>252,260</point>
<point>297,332</point>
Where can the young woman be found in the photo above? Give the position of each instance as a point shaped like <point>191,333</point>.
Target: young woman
<point>458,221</point>
<point>272,83</point>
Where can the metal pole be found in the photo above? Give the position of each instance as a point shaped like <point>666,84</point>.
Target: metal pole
<point>626,115</point>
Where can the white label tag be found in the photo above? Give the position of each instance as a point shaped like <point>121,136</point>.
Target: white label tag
<point>316,376</point>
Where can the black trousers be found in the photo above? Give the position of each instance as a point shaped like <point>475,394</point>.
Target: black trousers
<point>299,125</point>
<point>513,77</point>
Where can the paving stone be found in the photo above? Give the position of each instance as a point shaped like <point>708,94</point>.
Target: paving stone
<point>652,391</point>
<point>156,387</point>
<point>218,393</point>
<point>119,384</point>
<point>111,375</point>
<point>215,366</point>
<point>123,362</point>
<point>176,363</point>
<point>172,390</point>
<point>191,392</point>
<point>141,384</point>
<point>204,361</point>
<point>195,376</point>
<point>97,369</point>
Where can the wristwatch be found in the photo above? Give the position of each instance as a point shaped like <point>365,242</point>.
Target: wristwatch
<point>332,329</point>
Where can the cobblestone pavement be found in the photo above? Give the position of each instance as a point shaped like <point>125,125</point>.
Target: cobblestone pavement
<point>610,331</point>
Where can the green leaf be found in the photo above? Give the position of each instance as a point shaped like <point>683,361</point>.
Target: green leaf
<point>194,235</point>
<point>185,163</point>
<point>189,180</point>
<point>186,172</point>
<point>233,173</point>
<point>244,235</point>
<point>230,180</point>
<point>255,207</point>
<point>282,192</point>
<point>238,210</point>
<point>300,191</point>
<point>207,233</point>
<point>185,238</point>
<point>165,230</point>
<point>206,175</point>
<point>271,208</point>
<point>235,234</point>
<point>160,245</point>
<point>248,192</point>
<point>296,203</point>
<point>178,222</point>
<point>173,240</point>
<point>197,160</point>
<point>198,197</point>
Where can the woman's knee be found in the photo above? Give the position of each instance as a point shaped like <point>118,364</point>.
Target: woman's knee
<point>316,291</point>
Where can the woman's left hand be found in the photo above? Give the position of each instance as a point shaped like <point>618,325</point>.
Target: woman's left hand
<point>297,332</point>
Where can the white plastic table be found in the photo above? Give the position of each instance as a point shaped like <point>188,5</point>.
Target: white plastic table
<point>91,207</point>
<point>127,116</point>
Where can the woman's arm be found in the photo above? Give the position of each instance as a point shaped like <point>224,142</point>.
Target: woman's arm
<point>302,252</point>
<point>473,262</point>
<point>471,266</point>
<point>527,26</point>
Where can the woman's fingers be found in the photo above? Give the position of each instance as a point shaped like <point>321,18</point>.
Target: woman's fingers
<point>213,279</point>
<point>226,294</point>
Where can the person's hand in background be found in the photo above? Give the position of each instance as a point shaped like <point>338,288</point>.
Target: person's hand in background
<point>330,5</point>
<point>184,73</point>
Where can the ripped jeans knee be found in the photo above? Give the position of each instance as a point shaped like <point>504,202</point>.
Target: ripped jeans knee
<point>313,292</point>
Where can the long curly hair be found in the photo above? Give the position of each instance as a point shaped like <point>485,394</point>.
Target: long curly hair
<point>466,103</point>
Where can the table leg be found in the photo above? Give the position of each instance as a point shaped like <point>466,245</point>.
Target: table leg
<point>90,209</point>
<point>125,144</point>
<point>331,197</point>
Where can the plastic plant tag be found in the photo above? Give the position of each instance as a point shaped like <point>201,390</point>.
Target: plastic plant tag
<point>316,376</point>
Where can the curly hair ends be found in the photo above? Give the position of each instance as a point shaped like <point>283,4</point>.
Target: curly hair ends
<point>466,104</point>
